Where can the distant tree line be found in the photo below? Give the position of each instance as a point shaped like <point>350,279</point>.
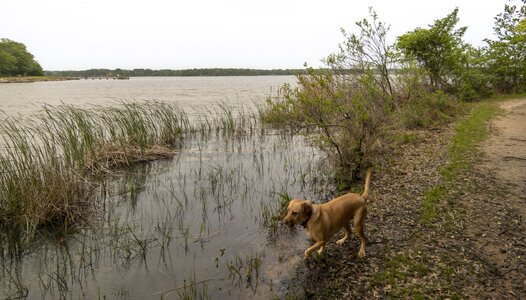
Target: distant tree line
<point>15,60</point>
<point>167,72</point>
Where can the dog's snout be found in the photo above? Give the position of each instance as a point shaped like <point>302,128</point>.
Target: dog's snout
<point>287,222</point>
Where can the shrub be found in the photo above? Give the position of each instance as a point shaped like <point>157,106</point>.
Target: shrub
<point>366,89</point>
<point>428,110</point>
<point>474,85</point>
<point>348,104</point>
<point>344,120</point>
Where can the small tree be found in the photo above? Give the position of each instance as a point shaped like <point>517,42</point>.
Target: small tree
<point>438,49</point>
<point>347,103</point>
<point>473,79</point>
<point>366,55</point>
<point>507,55</point>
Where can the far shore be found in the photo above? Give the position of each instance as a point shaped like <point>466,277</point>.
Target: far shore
<point>26,79</point>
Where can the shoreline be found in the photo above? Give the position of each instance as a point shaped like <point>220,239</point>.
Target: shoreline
<point>29,79</point>
<point>456,252</point>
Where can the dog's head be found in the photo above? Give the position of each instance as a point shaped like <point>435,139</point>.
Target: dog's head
<point>298,212</point>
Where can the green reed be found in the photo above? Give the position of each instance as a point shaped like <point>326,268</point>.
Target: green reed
<point>102,138</point>
<point>35,187</point>
<point>47,160</point>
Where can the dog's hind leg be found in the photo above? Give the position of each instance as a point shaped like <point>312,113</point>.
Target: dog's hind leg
<point>358,226</point>
<point>346,234</point>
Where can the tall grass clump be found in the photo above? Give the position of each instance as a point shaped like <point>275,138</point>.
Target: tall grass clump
<point>47,160</point>
<point>36,189</point>
<point>103,138</point>
<point>226,120</point>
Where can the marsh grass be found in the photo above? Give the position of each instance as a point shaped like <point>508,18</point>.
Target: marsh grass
<point>247,269</point>
<point>153,218</point>
<point>192,290</point>
<point>226,120</point>
<point>36,189</point>
<point>100,139</point>
<point>20,291</point>
<point>48,161</point>
<point>273,213</point>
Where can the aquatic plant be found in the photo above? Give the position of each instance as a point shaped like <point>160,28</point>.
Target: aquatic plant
<point>36,189</point>
<point>51,162</point>
<point>48,160</point>
<point>100,138</point>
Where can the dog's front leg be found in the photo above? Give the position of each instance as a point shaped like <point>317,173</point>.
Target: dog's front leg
<point>347,233</point>
<point>314,247</point>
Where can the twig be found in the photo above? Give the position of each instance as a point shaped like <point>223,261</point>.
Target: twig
<point>513,157</point>
<point>182,287</point>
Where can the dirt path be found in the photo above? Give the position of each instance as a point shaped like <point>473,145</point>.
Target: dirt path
<point>506,149</point>
<point>474,248</point>
<point>503,230</point>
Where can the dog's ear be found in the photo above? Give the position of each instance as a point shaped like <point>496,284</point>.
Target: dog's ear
<point>307,208</point>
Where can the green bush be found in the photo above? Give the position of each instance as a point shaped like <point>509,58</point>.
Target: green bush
<point>344,120</point>
<point>429,110</point>
<point>474,85</point>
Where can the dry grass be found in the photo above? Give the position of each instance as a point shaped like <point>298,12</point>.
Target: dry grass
<point>112,155</point>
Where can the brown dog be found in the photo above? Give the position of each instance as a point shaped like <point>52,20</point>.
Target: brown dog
<point>324,220</point>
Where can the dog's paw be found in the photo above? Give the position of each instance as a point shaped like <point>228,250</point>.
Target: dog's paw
<point>341,241</point>
<point>361,253</point>
<point>305,255</point>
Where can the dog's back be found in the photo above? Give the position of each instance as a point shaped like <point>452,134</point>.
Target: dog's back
<point>342,209</point>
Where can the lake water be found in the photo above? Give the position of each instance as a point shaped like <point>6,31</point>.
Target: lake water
<point>186,91</point>
<point>190,227</point>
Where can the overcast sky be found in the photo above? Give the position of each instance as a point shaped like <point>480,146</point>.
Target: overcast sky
<point>177,34</point>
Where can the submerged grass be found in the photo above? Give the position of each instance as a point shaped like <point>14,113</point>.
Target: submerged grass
<point>247,269</point>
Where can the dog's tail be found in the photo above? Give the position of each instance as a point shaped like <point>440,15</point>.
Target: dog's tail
<point>367,182</point>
